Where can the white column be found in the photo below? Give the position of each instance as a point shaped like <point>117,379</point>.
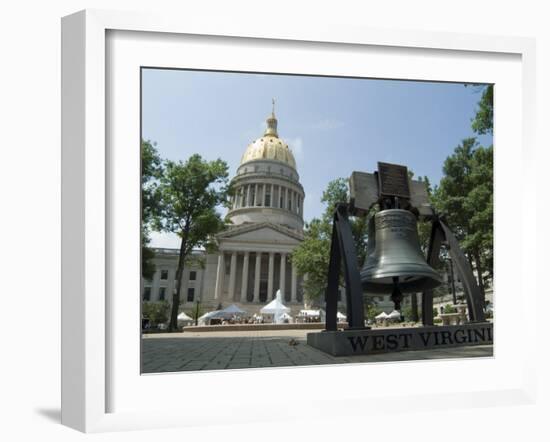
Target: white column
<point>282,276</point>
<point>262,200</point>
<point>272,197</point>
<point>255,194</point>
<point>286,198</point>
<point>293,288</point>
<point>288,193</point>
<point>257,277</point>
<point>219,276</point>
<point>244,283</point>
<point>270,276</point>
<point>248,195</point>
<point>232,274</point>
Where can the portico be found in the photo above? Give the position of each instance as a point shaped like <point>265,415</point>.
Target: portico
<point>251,272</point>
<point>246,282</point>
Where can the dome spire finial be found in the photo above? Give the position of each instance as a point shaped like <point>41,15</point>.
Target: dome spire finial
<point>271,122</point>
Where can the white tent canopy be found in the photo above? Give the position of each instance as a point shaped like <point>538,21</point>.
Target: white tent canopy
<point>286,316</point>
<point>275,308</point>
<point>207,316</point>
<point>233,309</point>
<point>183,317</point>
<point>382,315</point>
<point>310,313</point>
<point>394,315</point>
<point>340,315</point>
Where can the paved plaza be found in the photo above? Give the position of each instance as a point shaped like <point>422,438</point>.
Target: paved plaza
<point>193,351</point>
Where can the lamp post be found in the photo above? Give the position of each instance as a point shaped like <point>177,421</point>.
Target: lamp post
<point>196,313</point>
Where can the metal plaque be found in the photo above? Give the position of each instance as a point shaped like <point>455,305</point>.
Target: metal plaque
<point>363,190</point>
<point>419,198</point>
<point>393,180</point>
<point>364,193</point>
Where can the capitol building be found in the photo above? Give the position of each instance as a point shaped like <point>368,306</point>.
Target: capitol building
<point>266,225</point>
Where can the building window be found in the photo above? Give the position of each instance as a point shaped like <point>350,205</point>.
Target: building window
<point>162,293</point>
<point>164,274</point>
<point>192,275</point>
<point>147,294</point>
<point>190,294</point>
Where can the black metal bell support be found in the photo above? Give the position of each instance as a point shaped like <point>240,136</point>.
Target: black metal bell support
<point>442,233</point>
<point>342,251</point>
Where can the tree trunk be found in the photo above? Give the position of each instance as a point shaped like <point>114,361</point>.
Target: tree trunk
<point>179,273</point>
<point>480,275</point>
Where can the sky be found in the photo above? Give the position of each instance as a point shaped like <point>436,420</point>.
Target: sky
<point>334,126</point>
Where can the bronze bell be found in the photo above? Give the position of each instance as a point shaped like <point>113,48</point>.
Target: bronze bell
<point>394,260</point>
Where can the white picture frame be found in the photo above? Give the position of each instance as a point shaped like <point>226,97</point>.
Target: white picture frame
<point>86,205</point>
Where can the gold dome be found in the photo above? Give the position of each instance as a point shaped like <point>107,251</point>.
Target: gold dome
<point>269,147</point>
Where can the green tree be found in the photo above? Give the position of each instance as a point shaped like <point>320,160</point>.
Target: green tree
<point>311,257</point>
<point>424,228</point>
<point>465,198</point>
<point>483,120</point>
<point>448,308</point>
<point>156,312</point>
<point>189,194</point>
<point>196,312</point>
<point>151,170</point>
<point>371,312</point>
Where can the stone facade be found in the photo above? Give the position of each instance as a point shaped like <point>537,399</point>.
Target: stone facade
<point>266,218</point>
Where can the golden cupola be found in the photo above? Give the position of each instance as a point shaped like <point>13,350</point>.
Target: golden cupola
<point>269,146</point>
<point>266,187</point>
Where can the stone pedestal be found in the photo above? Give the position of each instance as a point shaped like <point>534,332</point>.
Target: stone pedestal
<point>365,341</point>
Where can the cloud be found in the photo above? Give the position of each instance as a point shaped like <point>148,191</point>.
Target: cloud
<point>297,147</point>
<point>327,124</point>
<point>164,240</point>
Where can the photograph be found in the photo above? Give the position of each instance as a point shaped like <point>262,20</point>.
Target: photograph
<point>296,220</point>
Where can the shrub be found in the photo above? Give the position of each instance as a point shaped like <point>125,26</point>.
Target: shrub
<point>372,312</point>
<point>449,309</point>
<point>156,312</point>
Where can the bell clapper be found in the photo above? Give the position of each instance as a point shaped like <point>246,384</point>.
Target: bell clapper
<point>397,295</point>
